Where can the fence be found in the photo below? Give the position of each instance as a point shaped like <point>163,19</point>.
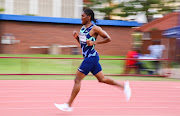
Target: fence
<point>111,66</point>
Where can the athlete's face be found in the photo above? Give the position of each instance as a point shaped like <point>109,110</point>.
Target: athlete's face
<point>85,18</point>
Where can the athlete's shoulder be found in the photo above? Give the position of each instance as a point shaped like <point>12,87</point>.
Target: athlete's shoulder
<point>97,28</point>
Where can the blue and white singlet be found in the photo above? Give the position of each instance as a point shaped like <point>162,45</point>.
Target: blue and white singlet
<point>87,51</point>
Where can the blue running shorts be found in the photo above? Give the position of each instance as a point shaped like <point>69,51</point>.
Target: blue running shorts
<point>90,64</point>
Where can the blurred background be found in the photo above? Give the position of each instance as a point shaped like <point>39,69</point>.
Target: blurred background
<point>33,27</point>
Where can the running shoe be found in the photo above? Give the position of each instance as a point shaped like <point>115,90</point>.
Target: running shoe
<point>64,107</point>
<point>127,90</point>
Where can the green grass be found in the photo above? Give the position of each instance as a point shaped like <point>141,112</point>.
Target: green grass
<point>51,66</point>
<point>56,77</point>
<point>36,65</point>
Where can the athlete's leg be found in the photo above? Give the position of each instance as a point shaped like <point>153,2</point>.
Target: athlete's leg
<point>97,72</point>
<point>101,78</point>
<point>125,87</point>
<point>77,86</point>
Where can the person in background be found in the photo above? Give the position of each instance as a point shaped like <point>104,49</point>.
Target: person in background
<point>131,64</point>
<point>156,51</point>
<point>137,65</point>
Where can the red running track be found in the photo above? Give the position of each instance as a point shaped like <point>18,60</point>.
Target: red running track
<point>36,98</point>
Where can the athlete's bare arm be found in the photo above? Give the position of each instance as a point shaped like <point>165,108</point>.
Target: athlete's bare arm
<point>96,30</point>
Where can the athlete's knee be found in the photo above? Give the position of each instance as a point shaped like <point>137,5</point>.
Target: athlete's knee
<point>103,80</point>
<point>77,80</point>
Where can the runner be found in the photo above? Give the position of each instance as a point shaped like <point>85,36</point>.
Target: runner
<point>87,38</point>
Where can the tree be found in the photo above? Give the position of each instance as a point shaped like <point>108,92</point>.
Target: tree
<point>107,9</point>
<point>1,9</point>
<point>133,7</point>
<point>150,7</point>
<point>1,2</point>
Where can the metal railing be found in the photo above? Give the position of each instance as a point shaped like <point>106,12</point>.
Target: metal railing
<point>166,74</point>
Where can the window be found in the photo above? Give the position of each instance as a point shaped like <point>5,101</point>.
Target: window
<point>146,36</point>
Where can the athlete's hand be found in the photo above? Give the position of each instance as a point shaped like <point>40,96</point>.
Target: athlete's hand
<point>75,34</point>
<point>90,43</point>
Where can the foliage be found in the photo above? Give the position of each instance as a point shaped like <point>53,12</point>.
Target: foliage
<point>133,7</point>
<point>30,14</point>
<point>107,10</point>
<point>138,6</point>
<point>1,9</point>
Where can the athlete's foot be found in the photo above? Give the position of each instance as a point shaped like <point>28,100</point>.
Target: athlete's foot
<point>64,107</point>
<point>127,90</point>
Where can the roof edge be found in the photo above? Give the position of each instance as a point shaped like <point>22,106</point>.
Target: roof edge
<point>65,20</point>
<point>156,21</point>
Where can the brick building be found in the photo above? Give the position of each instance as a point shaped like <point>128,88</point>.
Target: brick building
<point>34,35</point>
<point>154,31</point>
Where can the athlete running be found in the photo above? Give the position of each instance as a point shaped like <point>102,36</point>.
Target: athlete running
<point>87,38</point>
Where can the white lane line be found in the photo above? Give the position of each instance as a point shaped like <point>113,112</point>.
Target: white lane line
<point>98,88</point>
<point>159,92</point>
<point>142,96</point>
<point>86,108</point>
<point>3,102</point>
<point>88,85</point>
<point>95,83</point>
<point>121,107</point>
<point>89,101</point>
<point>118,115</point>
<point>59,91</point>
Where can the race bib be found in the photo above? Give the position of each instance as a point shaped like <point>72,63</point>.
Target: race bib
<point>82,37</point>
